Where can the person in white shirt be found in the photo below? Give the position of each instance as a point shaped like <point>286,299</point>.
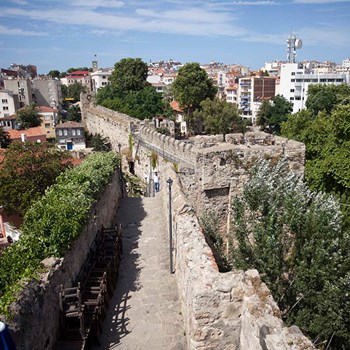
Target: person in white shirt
<point>156,181</point>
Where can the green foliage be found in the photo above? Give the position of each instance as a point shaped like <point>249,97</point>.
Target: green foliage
<point>163,130</point>
<point>99,143</point>
<point>28,117</point>
<point>191,86</point>
<point>54,73</point>
<point>293,237</point>
<point>73,91</point>
<point>218,117</point>
<point>272,113</point>
<point>325,97</point>
<point>27,170</point>
<point>53,222</point>
<point>129,74</point>
<point>4,138</point>
<point>154,159</point>
<point>74,114</point>
<point>131,143</point>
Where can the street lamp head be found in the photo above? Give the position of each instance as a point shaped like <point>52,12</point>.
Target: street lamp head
<point>169,181</point>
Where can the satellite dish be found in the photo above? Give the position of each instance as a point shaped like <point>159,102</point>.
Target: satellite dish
<point>298,44</point>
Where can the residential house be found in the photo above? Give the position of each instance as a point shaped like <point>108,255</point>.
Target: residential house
<point>9,103</point>
<point>82,77</point>
<point>70,136</point>
<point>100,78</point>
<point>8,123</point>
<point>36,134</point>
<point>179,119</point>
<point>49,117</point>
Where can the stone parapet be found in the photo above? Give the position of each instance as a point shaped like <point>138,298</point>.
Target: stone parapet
<point>232,310</point>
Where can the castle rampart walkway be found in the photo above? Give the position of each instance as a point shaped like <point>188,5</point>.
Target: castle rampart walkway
<point>144,312</point>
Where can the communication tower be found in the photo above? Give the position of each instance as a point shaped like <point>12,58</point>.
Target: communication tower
<point>293,43</point>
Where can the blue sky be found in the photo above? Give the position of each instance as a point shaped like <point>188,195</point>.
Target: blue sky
<point>68,33</point>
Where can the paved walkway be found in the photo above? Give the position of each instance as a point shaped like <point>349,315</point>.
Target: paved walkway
<point>144,312</point>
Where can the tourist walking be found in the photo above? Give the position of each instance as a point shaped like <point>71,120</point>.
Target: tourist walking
<point>156,181</point>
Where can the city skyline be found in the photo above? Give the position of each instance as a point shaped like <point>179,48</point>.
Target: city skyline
<point>64,34</point>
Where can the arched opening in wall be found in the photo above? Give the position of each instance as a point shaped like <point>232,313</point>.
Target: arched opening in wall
<point>132,167</point>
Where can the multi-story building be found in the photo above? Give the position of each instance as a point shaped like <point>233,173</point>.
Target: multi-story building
<point>295,79</point>
<point>252,91</point>
<point>22,88</point>
<point>49,117</point>
<point>70,136</point>
<point>47,92</point>
<point>100,78</point>
<point>9,103</point>
<point>82,77</point>
<point>231,94</point>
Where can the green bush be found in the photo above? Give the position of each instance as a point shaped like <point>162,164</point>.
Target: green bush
<point>53,222</point>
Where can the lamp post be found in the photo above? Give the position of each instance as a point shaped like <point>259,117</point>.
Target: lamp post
<point>120,168</point>
<point>170,182</point>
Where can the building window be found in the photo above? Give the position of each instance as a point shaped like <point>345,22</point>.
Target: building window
<point>293,73</point>
<point>48,117</point>
<point>298,98</point>
<point>4,100</point>
<point>47,125</point>
<point>292,98</point>
<point>73,132</point>
<point>291,90</point>
<point>59,132</point>
<point>65,132</point>
<point>292,80</point>
<point>5,108</point>
<point>78,132</point>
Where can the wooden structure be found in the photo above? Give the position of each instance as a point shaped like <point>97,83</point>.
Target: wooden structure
<point>83,306</point>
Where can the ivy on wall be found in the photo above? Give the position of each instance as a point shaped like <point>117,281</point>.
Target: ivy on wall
<point>53,222</point>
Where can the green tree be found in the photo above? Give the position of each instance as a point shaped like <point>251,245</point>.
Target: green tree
<point>74,114</point>
<point>218,117</point>
<point>99,143</point>
<point>28,117</point>
<point>54,73</point>
<point>4,138</point>
<point>293,237</point>
<point>129,74</point>
<point>27,170</point>
<point>272,114</point>
<point>192,86</point>
<point>74,91</point>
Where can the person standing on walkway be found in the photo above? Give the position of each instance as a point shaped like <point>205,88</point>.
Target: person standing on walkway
<point>156,181</point>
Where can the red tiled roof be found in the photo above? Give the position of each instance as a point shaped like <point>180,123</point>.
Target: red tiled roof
<point>175,106</point>
<point>31,132</point>
<point>2,154</point>
<point>45,109</point>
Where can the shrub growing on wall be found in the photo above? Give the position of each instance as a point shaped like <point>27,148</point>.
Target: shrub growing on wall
<point>53,222</point>
<point>293,237</point>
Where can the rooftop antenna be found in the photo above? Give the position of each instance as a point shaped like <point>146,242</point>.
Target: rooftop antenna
<point>293,43</point>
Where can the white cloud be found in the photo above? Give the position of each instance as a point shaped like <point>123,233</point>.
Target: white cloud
<point>20,2</point>
<point>17,31</point>
<point>97,3</point>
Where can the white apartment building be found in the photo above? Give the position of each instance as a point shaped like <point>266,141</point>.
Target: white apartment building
<point>22,88</point>
<point>9,103</point>
<point>100,78</point>
<point>231,94</point>
<point>295,79</point>
<point>49,117</point>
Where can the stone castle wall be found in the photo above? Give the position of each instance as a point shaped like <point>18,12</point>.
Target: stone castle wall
<point>232,310</point>
<point>37,307</point>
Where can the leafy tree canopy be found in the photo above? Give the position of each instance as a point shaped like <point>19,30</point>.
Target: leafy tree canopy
<point>73,91</point>
<point>218,117</point>
<point>28,117</point>
<point>325,97</point>
<point>4,138</point>
<point>99,143</point>
<point>54,73</point>
<point>192,86</point>
<point>26,171</point>
<point>272,113</point>
<point>129,74</point>
<point>293,237</point>
<point>74,114</point>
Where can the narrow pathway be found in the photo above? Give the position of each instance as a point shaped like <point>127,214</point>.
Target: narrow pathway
<point>144,312</point>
